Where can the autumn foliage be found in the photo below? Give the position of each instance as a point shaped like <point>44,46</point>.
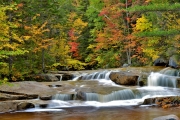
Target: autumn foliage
<point>37,36</point>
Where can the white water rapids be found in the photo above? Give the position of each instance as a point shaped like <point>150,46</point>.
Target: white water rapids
<point>159,85</point>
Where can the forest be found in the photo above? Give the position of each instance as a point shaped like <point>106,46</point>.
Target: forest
<point>45,35</point>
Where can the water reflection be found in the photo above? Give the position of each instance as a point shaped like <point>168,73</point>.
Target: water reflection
<point>92,113</point>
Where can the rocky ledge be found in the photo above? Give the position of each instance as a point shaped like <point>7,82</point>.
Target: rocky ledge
<point>21,95</point>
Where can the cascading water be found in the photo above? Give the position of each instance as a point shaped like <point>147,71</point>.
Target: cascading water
<point>157,79</point>
<point>167,78</point>
<point>63,97</point>
<point>125,94</point>
<point>159,85</point>
<point>95,75</point>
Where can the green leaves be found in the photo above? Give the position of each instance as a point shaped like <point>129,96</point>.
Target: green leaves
<point>158,33</point>
<point>155,7</point>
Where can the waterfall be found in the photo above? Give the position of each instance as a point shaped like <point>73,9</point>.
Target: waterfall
<point>97,90</point>
<point>63,97</point>
<point>125,94</point>
<point>157,79</point>
<point>95,75</point>
<point>156,91</point>
<point>170,71</point>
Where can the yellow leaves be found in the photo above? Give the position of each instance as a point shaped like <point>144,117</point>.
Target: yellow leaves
<point>43,25</point>
<point>26,37</point>
<point>61,48</point>
<point>37,15</point>
<point>4,31</point>
<point>27,27</point>
<point>78,23</point>
<point>149,49</point>
<point>113,8</point>
<point>72,15</point>
<point>151,52</point>
<point>147,1</point>
<point>91,46</point>
<point>37,35</point>
<point>8,46</point>
<point>143,24</point>
<point>2,13</point>
<point>78,26</point>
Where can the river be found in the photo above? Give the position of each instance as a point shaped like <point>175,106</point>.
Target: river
<point>93,113</point>
<point>116,103</point>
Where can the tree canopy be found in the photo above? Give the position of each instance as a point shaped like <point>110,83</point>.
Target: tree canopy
<point>41,35</point>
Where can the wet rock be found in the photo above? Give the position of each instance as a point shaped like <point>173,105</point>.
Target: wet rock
<point>14,105</point>
<point>47,97</point>
<point>59,76</point>
<point>43,105</point>
<point>46,78</point>
<point>160,62</point>
<point>167,117</point>
<point>67,77</point>
<point>173,62</point>
<point>125,65</point>
<point>4,96</point>
<point>141,83</point>
<point>164,102</point>
<point>167,102</point>
<point>149,101</point>
<point>124,78</point>
<point>25,105</point>
<point>80,95</point>
<point>8,106</point>
<point>25,90</point>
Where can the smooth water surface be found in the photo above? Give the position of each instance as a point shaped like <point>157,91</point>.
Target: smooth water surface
<point>93,113</point>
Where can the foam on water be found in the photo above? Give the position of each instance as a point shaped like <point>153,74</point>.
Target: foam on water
<point>157,79</point>
<point>94,76</point>
<point>159,85</point>
<point>42,110</point>
<point>116,103</point>
<point>125,94</point>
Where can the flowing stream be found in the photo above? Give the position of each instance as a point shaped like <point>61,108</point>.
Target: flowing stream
<point>104,100</point>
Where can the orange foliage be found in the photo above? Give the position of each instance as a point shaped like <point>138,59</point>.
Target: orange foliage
<point>20,5</point>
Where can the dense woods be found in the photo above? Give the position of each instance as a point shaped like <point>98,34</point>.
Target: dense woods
<point>41,35</point>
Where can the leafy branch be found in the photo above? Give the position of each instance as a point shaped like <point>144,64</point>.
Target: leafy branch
<point>155,7</point>
<point>157,33</point>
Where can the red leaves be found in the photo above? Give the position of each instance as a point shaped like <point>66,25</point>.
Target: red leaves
<point>73,44</point>
<point>71,34</point>
<point>103,12</point>
<point>74,48</point>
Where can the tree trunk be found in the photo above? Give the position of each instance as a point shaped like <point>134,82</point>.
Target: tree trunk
<point>10,42</point>
<point>128,50</point>
<point>43,61</point>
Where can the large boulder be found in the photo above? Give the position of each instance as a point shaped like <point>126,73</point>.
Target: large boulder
<point>160,62</point>
<point>46,78</point>
<point>25,105</point>
<point>173,61</point>
<point>124,78</point>
<point>168,61</point>
<point>167,117</point>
